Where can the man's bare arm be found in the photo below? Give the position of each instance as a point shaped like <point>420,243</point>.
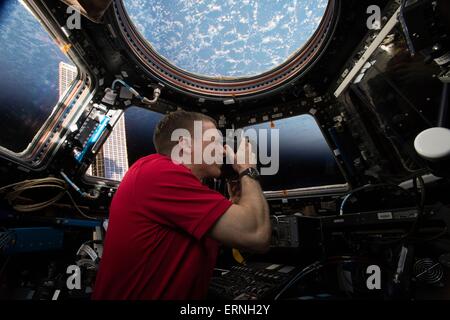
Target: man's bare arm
<point>246,224</point>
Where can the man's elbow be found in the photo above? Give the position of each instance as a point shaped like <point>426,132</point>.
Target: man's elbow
<point>261,242</point>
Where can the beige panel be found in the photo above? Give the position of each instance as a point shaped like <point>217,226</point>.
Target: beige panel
<point>93,9</point>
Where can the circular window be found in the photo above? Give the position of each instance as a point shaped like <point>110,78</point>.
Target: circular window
<point>226,38</point>
<point>225,48</point>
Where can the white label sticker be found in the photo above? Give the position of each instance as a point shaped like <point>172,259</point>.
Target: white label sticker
<point>384,215</point>
<point>443,59</point>
<point>273,267</point>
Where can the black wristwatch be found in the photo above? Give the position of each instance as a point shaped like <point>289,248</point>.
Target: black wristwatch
<point>251,172</point>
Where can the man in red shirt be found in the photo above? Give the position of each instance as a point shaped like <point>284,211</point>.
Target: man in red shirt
<point>165,226</point>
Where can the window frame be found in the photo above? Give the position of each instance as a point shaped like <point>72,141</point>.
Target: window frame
<point>224,89</point>
<point>93,179</point>
<point>51,135</point>
<point>324,190</point>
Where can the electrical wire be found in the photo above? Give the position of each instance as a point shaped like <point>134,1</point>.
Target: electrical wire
<point>145,100</point>
<point>420,188</point>
<point>19,188</point>
<point>78,209</point>
<point>303,273</point>
<point>412,240</point>
<point>77,189</point>
<point>420,211</point>
<point>31,182</point>
<point>392,139</point>
<point>420,205</point>
<point>405,28</point>
<point>435,237</point>
<point>365,187</point>
<point>314,267</point>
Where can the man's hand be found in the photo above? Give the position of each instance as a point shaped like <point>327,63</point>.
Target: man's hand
<point>244,158</point>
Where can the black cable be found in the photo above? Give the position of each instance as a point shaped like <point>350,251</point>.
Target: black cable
<point>411,239</point>
<point>303,273</point>
<point>420,215</point>
<point>314,267</point>
<point>352,284</point>
<point>368,187</point>
<point>405,28</point>
<point>435,237</point>
<point>420,204</point>
<point>443,109</point>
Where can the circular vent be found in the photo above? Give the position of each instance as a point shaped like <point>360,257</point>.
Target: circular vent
<point>428,271</point>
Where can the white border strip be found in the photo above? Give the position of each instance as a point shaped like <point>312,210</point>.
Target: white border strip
<point>306,192</point>
<point>362,61</point>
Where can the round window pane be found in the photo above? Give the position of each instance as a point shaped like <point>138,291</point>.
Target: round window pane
<point>226,38</point>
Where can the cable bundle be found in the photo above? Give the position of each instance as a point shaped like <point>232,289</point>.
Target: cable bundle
<point>14,194</point>
<point>17,189</point>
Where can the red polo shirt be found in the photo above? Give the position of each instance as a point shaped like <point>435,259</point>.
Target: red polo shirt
<point>156,245</point>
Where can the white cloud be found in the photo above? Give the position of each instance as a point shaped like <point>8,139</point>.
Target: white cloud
<point>212,31</point>
<point>272,23</point>
<point>231,60</point>
<point>178,24</point>
<point>214,7</point>
<point>243,20</point>
<point>225,18</point>
<point>269,39</point>
<point>221,52</point>
<point>255,12</point>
